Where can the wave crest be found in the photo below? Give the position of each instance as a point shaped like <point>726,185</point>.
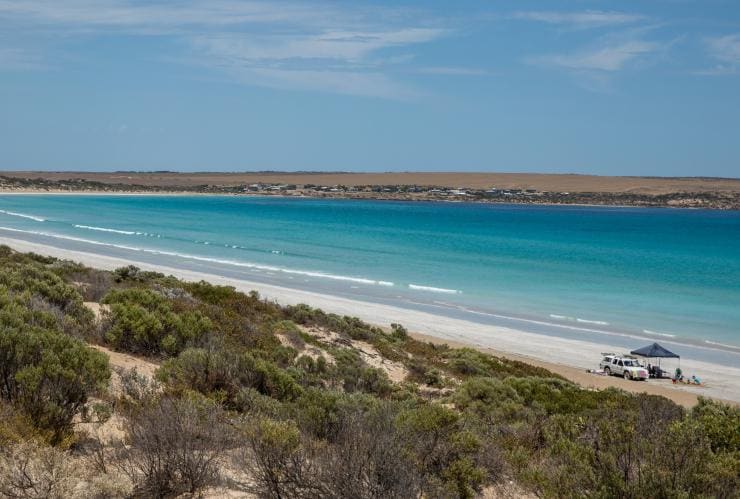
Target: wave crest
<point>105,229</point>
<point>656,333</point>
<point>255,266</point>
<point>432,289</point>
<point>23,215</point>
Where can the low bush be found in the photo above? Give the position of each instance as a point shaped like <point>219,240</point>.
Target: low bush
<point>29,470</point>
<point>143,321</point>
<point>47,374</point>
<point>225,374</point>
<point>173,446</point>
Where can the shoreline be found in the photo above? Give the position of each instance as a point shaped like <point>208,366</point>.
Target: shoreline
<point>41,192</point>
<point>567,357</point>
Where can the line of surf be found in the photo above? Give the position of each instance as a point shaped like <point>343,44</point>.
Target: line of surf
<point>656,333</point>
<point>705,344</point>
<point>250,265</point>
<point>578,319</point>
<point>105,229</point>
<point>432,289</point>
<point>115,231</point>
<point>23,215</point>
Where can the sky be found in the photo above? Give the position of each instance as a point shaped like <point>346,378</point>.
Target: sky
<point>648,87</point>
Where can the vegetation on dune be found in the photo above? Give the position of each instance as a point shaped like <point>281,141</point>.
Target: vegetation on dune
<point>293,402</point>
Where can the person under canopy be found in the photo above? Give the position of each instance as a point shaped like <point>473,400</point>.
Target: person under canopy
<point>655,351</point>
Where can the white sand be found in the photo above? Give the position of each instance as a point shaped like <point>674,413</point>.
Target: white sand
<point>721,381</point>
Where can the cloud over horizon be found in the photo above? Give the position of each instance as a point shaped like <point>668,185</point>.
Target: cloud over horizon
<point>295,46</point>
<point>583,19</point>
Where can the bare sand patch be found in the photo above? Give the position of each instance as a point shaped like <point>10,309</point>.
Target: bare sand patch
<point>97,308</point>
<point>396,371</point>
<point>127,361</point>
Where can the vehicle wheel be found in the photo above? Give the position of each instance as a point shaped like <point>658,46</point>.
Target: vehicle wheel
<point>627,375</point>
<point>607,371</point>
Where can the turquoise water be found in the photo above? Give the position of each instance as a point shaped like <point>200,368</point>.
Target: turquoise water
<point>659,274</point>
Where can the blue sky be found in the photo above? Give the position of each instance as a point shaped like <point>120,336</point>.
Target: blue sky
<point>648,87</point>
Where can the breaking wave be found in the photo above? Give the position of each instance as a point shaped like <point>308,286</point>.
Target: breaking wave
<point>104,229</point>
<point>588,321</point>
<point>249,265</point>
<point>578,319</point>
<point>116,231</point>
<point>23,215</point>
<point>723,345</point>
<point>656,333</point>
<point>435,290</point>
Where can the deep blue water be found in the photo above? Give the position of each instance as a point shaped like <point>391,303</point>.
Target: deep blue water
<point>663,274</point>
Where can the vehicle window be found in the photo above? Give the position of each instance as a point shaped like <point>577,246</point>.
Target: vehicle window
<point>620,363</point>
<point>614,361</point>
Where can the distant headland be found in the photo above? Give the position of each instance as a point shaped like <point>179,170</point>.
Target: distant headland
<point>520,188</point>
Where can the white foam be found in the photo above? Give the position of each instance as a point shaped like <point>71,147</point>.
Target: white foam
<point>235,263</point>
<point>434,290</point>
<point>105,229</point>
<point>587,321</point>
<point>562,317</point>
<point>71,238</point>
<point>23,215</point>
<point>656,333</point>
<point>723,345</point>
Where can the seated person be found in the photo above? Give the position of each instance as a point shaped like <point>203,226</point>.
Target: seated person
<point>695,380</point>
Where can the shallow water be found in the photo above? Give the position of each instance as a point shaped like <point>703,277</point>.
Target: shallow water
<point>640,274</point>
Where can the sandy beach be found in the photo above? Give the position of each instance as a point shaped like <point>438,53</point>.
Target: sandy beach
<point>569,358</point>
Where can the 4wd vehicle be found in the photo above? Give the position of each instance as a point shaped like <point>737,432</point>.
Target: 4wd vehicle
<point>623,366</point>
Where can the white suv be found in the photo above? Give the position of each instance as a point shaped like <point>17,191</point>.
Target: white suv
<point>623,366</point>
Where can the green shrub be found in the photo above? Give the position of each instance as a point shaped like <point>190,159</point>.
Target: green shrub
<point>468,362</point>
<point>224,375</point>
<point>143,321</point>
<point>721,423</point>
<point>41,290</point>
<point>49,375</point>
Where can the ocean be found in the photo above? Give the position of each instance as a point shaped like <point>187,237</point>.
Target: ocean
<point>627,275</point>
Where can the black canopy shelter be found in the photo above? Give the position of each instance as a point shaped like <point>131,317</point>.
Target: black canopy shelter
<point>656,351</point>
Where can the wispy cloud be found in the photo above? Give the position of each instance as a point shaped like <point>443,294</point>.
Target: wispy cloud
<point>160,16</point>
<point>347,46</point>
<point>451,71</point>
<point>301,46</point>
<point>607,57</point>
<point>595,66</point>
<point>583,19</point>
<point>726,51</point>
<point>17,59</point>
